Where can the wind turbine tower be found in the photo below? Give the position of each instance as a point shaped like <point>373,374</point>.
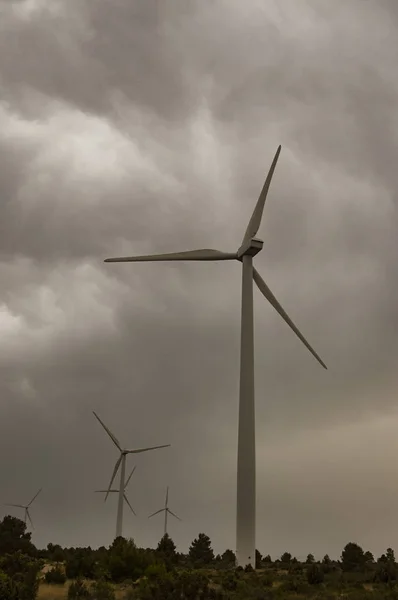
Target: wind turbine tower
<point>166,511</point>
<point>26,507</point>
<point>246,469</point>
<point>121,462</point>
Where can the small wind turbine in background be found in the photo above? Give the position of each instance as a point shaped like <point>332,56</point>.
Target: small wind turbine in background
<point>121,461</point>
<point>117,491</point>
<point>166,511</point>
<point>26,507</point>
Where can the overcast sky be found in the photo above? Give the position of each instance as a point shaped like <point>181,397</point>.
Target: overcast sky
<point>138,126</point>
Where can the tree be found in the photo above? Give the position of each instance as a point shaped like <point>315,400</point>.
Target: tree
<point>352,557</point>
<point>101,590</point>
<point>286,558</point>
<point>55,552</point>
<point>23,573</point>
<point>228,558</point>
<point>390,555</point>
<point>259,558</point>
<point>326,560</point>
<point>81,563</point>
<point>310,559</point>
<point>200,552</point>
<point>14,538</point>
<point>167,549</point>
<point>386,572</point>
<point>56,576</point>
<point>78,589</point>
<point>267,559</point>
<point>368,556</point>
<point>125,561</point>
<point>7,590</point>
<point>315,575</point>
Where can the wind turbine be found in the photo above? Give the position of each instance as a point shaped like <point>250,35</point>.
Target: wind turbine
<point>166,511</point>
<point>26,507</point>
<point>121,461</point>
<point>246,471</point>
<point>117,491</point>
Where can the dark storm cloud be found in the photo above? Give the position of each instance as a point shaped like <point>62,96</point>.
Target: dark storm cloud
<point>147,127</point>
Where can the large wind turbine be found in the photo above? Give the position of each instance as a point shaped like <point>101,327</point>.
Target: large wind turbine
<point>117,491</point>
<point>26,507</point>
<point>166,511</point>
<point>246,476</point>
<point>121,461</point>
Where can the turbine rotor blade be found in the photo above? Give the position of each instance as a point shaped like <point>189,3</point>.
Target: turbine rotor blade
<point>146,449</point>
<point>263,287</point>
<point>171,512</point>
<point>113,437</point>
<point>106,491</point>
<point>129,477</point>
<point>156,513</point>
<point>202,254</point>
<point>34,497</point>
<point>167,496</point>
<point>131,508</point>
<point>16,505</point>
<point>115,470</point>
<point>30,520</point>
<point>255,221</point>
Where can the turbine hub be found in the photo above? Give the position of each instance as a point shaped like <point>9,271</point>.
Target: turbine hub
<point>252,248</point>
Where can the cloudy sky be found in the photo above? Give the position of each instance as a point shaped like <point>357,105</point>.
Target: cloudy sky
<point>138,126</point>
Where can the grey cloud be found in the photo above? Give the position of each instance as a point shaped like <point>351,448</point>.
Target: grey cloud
<point>150,128</point>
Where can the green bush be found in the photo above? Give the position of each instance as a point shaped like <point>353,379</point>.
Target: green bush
<point>266,580</point>
<point>56,576</point>
<point>294,584</point>
<point>78,589</point>
<point>23,572</point>
<point>102,590</point>
<point>6,587</point>
<point>315,574</point>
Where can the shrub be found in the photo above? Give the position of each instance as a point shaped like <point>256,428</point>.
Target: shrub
<point>102,590</point>
<point>78,589</point>
<point>6,591</point>
<point>230,582</point>
<point>294,584</point>
<point>266,580</point>
<point>56,576</point>
<point>23,573</point>
<point>315,575</point>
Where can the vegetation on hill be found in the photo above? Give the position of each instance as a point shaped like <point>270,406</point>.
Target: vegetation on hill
<point>125,572</point>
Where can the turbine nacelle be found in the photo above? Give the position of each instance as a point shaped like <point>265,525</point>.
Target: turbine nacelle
<point>250,248</point>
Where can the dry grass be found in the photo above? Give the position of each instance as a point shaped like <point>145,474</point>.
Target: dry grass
<point>60,592</point>
<point>52,592</point>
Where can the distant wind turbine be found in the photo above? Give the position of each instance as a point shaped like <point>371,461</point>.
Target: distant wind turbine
<point>26,507</point>
<point>117,491</point>
<point>166,511</point>
<point>121,461</point>
<point>246,472</point>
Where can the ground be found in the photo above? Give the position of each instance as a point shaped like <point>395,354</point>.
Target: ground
<point>60,592</point>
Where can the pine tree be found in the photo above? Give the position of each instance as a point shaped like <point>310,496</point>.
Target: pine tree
<point>200,551</point>
<point>310,559</point>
